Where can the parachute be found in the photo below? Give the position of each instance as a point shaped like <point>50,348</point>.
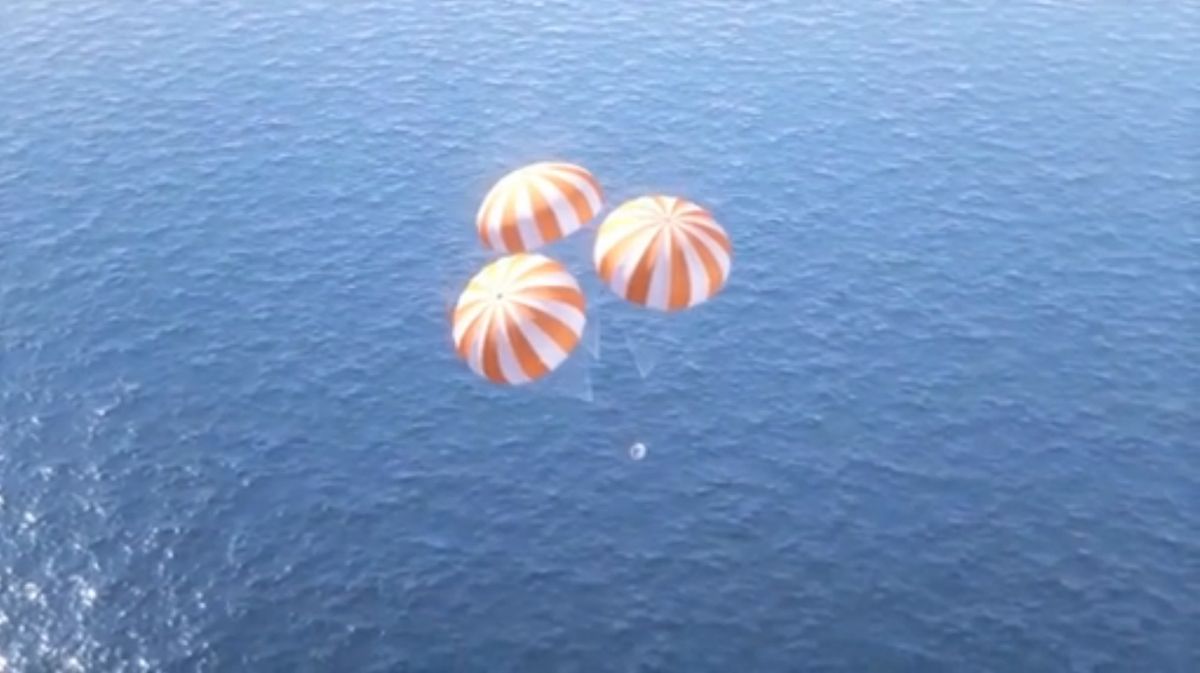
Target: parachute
<point>662,252</point>
<point>522,315</point>
<point>536,205</point>
<point>519,318</point>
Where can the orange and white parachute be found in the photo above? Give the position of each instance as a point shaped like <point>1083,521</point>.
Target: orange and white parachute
<point>519,318</point>
<point>662,252</point>
<point>536,205</point>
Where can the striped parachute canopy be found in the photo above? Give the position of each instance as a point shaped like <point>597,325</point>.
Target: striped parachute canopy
<point>662,252</point>
<point>536,205</point>
<point>518,319</point>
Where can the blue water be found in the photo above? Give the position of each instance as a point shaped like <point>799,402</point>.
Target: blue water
<point>945,417</point>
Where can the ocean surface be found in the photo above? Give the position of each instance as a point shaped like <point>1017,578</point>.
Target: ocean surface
<point>945,416</point>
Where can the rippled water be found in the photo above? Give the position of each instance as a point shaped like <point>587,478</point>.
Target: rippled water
<point>944,418</point>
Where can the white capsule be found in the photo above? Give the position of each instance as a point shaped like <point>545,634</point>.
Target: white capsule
<point>637,451</point>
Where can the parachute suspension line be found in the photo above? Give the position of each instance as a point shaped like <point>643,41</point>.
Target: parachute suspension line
<point>646,356</point>
<point>591,337</point>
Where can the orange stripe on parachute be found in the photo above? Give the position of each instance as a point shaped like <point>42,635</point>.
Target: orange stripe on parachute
<point>577,199</point>
<point>508,227</point>
<point>527,358</point>
<point>543,214</point>
<point>491,352</point>
<point>712,270</point>
<point>554,293</point>
<point>611,259</point>
<point>638,289</point>
<point>554,328</point>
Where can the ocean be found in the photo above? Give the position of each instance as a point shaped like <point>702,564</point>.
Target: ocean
<point>944,417</point>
